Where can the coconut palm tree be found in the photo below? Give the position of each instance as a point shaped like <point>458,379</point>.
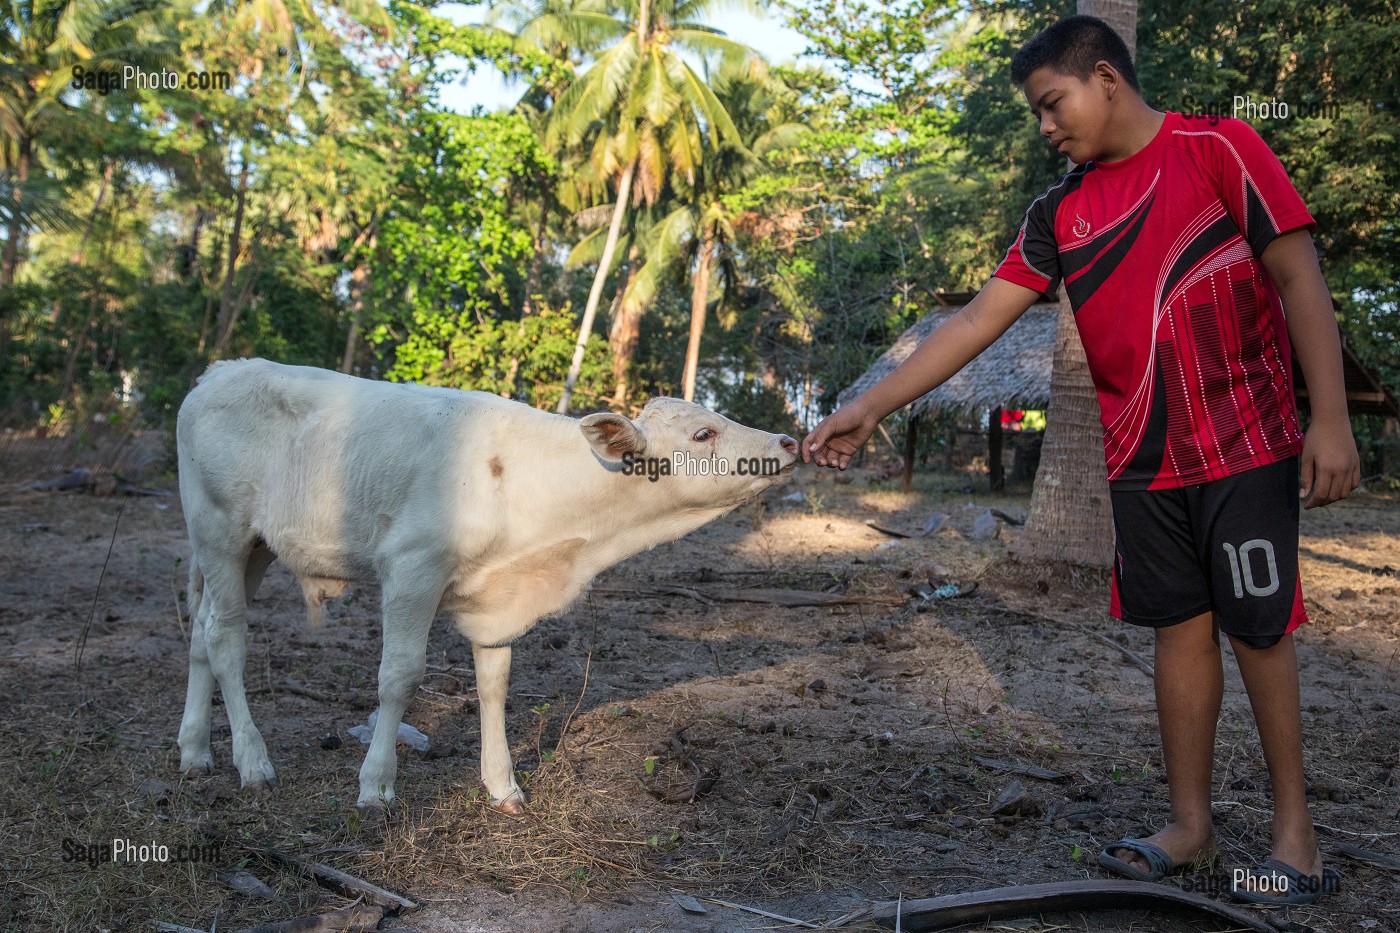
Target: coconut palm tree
<point>696,231</point>
<point>769,119</point>
<point>40,42</point>
<point>641,113</point>
<point>1070,516</point>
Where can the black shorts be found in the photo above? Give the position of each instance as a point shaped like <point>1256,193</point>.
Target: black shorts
<point>1229,546</point>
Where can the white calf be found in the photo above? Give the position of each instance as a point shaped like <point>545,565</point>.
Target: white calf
<point>486,508</point>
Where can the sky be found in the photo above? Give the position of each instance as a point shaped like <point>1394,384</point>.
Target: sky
<point>489,89</point>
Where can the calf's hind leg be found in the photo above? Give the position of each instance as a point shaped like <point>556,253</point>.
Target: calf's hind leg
<point>223,627</point>
<point>196,758</point>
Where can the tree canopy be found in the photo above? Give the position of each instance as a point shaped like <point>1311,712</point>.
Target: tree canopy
<point>182,182</point>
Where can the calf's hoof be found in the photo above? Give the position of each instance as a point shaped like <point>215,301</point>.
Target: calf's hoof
<point>199,770</point>
<point>265,787</point>
<point>376,803</point>
<point>513,804</point>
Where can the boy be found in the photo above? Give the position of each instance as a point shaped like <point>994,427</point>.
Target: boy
<point>1176,237</point>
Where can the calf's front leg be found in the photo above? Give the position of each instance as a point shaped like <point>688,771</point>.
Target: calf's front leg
<point>497,771</point>
<point>408,615</point>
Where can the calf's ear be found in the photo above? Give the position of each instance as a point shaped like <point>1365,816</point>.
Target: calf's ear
<point>612,435</point>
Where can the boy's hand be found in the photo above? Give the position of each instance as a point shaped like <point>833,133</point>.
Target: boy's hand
<point>839,436</point>
<point>1330,469</point>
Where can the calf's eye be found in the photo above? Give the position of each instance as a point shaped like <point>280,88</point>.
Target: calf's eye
<point>704,434</point>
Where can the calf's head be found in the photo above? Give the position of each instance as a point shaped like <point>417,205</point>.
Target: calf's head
<point>696,457</point>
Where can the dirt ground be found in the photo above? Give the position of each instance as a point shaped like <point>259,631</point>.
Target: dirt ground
<point>839,755</point>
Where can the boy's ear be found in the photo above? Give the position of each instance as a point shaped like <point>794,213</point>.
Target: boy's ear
<point>1108,77</point>
<point>612,436</point>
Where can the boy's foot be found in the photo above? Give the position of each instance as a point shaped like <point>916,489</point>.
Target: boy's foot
<point>1277,882</point>
<point>1160,854</point>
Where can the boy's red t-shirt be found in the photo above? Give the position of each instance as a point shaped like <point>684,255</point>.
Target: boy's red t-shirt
<point>1183,328</point>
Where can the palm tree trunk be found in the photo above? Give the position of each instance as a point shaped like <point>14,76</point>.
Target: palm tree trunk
<point>189,262</point>
<point>359,277</point>
<point>9,265</point>
<point>1070,518</point>
<point>624,192</point>
<point>80,338</point>
<point>228,308</point>
<point>699,300</point>
<point>622,338</point>
<point>359,284</point>
<point>532,278</point>
<point>56,309</point>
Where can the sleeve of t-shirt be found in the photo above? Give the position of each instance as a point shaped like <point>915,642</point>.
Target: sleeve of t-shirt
<point>1255,188</point>
<point>1033,261</point>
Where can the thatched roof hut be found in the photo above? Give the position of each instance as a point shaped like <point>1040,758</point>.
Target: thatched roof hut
<point>1013,373</point>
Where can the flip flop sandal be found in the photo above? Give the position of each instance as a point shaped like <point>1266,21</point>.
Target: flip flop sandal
<point>1279,883</point>
<point>1159,862</point>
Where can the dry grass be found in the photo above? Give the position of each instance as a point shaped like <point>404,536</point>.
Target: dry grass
<point>843,742</point>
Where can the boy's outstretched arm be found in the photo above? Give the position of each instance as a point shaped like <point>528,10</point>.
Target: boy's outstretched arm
<point>1330,466</point>
<point>934,361</point>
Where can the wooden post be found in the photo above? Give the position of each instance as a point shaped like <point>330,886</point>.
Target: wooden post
<point>911,441</point>
<point>994,467</point>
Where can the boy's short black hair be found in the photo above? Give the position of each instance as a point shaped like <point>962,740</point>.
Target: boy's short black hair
<point>1073,46</point>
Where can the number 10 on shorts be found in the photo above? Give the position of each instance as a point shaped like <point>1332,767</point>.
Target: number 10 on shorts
<point>1242,568</point>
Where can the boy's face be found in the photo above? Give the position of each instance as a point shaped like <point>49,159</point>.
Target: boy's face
<point>1073,112</point>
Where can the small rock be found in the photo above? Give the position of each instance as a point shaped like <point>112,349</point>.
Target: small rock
<point>155,789</point>
<point>946,803</point>
<point>931,570</point>
<point>1346,592</point>
<point>330,741</point>
<point>1325,791</point>
<point>935,521</point>
<point>247,885</point>
<point>986,527</point>
<point>1015,800</point>
<point>688,904</point>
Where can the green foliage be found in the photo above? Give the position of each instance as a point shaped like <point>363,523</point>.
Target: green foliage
<point>450,241</point>
<point>748,401</point>
<point>525,359</point>
<point>324,208</point>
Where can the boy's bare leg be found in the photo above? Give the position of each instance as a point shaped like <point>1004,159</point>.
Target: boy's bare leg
<point>1190,682</point>
<point>1270,677</point>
